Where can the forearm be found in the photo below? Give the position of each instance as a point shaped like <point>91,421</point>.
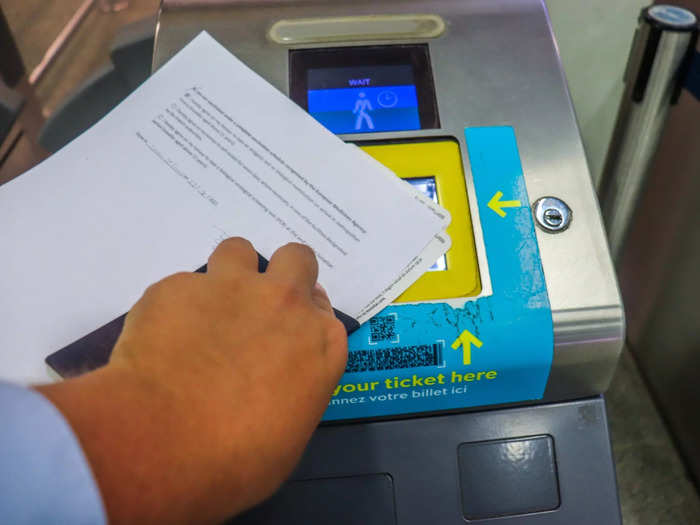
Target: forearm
<point>148,457</point>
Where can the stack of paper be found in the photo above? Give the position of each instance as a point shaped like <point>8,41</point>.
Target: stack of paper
<point>204,150</point>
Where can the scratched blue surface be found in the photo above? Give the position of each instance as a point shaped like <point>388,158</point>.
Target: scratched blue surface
<point>514,324</point>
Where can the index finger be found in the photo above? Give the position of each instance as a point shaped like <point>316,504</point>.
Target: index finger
<point>231,256</point>
<point>294,263</point>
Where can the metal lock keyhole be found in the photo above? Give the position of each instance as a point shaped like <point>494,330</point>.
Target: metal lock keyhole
<point>551,214</point>
<point>553,217</point>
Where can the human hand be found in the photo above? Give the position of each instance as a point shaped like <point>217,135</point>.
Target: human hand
<point>213,388</point>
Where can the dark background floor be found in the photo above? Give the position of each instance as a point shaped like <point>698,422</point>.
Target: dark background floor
<point>654,487</point>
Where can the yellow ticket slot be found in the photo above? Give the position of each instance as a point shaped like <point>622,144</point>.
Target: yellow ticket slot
<point>439,161</point>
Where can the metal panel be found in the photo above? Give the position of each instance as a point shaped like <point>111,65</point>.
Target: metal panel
<point>495,64</point>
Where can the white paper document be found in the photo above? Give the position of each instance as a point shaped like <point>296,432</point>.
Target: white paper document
<point>204,150</point>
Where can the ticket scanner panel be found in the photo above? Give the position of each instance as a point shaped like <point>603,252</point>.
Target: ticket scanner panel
<point>435,168</point>
<point>487,371</point>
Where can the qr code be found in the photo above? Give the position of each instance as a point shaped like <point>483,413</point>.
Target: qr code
<point>383,328</point>
<point>395,358</point>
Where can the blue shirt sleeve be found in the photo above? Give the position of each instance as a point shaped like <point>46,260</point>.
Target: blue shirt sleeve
<point>44,475</point>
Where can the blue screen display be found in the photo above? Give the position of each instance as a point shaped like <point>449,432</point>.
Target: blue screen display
<point>363,100</point>
<point>426,185</point>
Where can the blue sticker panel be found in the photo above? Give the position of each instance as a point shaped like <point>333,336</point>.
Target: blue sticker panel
<point>498,349</point>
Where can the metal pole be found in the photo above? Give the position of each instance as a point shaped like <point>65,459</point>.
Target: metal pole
<point>61,40</point>
<point>662,47</point>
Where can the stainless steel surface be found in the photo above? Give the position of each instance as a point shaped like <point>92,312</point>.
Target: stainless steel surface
<point>551,214</point>
<point>495,64</point>
<point>638,128</point>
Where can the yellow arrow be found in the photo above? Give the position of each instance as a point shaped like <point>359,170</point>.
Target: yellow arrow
<point>466,339</point>
<point>497,205</point>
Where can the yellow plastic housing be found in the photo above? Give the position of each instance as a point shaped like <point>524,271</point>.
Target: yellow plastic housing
<point>440,159</point>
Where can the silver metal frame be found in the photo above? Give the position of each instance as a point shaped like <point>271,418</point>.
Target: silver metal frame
<point>495,64</point>
<point>640,124</point>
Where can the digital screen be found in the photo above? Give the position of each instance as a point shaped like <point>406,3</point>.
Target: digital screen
<point>365,89</point>
<point>427,186</point>
<point>363,99</point>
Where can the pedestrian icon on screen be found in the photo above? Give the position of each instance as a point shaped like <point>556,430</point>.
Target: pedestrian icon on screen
<point>362,106</point>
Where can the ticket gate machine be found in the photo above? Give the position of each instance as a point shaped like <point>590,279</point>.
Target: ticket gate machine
<point>477,394</point>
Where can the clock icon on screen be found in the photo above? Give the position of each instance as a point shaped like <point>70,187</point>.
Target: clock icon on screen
<point>387,99</point>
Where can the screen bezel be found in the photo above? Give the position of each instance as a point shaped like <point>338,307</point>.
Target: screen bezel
<point>414,55</point>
